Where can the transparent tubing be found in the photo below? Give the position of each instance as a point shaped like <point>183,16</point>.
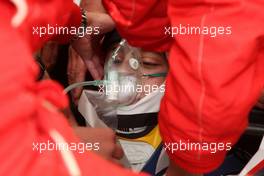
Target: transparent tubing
<point>124,160</point>
<point>85,83</point>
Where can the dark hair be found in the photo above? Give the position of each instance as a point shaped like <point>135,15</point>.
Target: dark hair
<point>110,39</point>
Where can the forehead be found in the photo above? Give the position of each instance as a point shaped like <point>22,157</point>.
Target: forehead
<point>152,54</point>
<point>160,56</point>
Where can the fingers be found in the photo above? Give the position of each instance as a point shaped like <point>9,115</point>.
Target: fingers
<point>99,55</point>
<point>49,54</point>
<point>89,56</point>
<point>76,73</point>
<point>175,170</point>
<point>88,47</point>
<point>261,99</point>
<point>93,6</point>
<point>108,148</point>
<point>118,152</point>
<point>260,105</point>
<point>83,47</point>
<point>97,64</point>
<point>94,67</point>
<point>260,102</point>
<point>101,20</point>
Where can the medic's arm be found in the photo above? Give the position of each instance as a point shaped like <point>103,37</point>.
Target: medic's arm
<point>142,23</point>
<point>213,82</point>
<point>54,13</point>
<point>30,120</point>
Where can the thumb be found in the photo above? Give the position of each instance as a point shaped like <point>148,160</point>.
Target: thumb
<point>118,152</point>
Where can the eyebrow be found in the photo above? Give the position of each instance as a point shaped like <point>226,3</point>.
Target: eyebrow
<point>154,55</point>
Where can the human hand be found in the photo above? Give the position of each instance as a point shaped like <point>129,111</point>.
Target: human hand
<point>93,6</point>
<point>76,72</point>
<point>49,54</point>
<point>106,138</point>
<point>175,170</point>
<point>260,102</point>
<point>88,47</point>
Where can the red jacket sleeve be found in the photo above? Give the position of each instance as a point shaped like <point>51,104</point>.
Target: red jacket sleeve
<point>213,81</point>
<point>30,116</point>
<point>142,23</point>
<point>53,13</point>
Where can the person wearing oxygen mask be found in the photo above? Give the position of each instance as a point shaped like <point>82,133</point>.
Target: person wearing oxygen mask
<point>128,100</point>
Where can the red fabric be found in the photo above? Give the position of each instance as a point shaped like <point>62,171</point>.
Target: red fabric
<point>139,21</point>
<point>256,169</point>
<point>213,82</point>
<point>29,109</point>
<point>67,14</point>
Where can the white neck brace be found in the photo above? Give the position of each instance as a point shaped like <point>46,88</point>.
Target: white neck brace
<point>148,104</point>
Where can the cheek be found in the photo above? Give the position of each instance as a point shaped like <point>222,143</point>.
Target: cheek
<point>152,82</point>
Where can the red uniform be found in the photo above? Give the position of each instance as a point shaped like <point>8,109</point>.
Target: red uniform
<point>213,82</point>
<point>29,110</point>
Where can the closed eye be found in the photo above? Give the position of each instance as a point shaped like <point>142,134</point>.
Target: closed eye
<point>150,64</point>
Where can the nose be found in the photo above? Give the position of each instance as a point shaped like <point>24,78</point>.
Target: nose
<point>128,64</point>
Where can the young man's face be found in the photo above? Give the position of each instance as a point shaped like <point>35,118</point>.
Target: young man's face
<point>151,63</point>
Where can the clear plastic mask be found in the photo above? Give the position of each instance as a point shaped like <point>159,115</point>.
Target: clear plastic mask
<point>122,74</point>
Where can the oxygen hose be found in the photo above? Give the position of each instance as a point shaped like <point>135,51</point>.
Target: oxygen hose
<point>85,83</point>
<point>124,159</point>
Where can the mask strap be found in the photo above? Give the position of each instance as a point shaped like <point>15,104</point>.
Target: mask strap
<point>162,74</point>
<point>115,53</point>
